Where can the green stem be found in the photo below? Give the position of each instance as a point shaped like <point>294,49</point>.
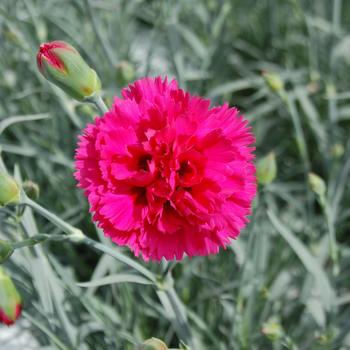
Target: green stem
<point>301,143</point>
<point>77,236</point>
<point>177,315</point>
<point>122,258</point>
<point>99,103</point>
<point>333,247</point>
<point>169,268</point>
<point>37,239</point>
<point>2,165</point>
<point>64,226</point>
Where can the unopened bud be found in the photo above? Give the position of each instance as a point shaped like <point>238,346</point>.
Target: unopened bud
<point>31,189</point>
<point>274,81</point>
<point>317,184</point>
<point>266,169</point>
<point>154,344</point>
<point>264,293</point>
<point>337,150</point>
<point>9,190</point>
<point>61,64</point>
<point>325,338</point>
<point>6,250</point>
<point>10,300</point>
<point>272,330</point>
<point>125,73</point>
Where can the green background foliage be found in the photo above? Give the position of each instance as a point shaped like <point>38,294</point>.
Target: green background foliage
<point>289,269</point>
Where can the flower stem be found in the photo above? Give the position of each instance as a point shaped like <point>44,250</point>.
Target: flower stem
<point>75,235</point>
<point>99,103</point>
<point>168,268</point>
<point>37,239</point>
<point>64,226</point>
<point>333,247</point>
<point>119,256</point>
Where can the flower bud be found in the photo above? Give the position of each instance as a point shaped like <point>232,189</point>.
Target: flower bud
<point>61,64</point>
<point>317,184</point>
<point>10,300</point>
<point>31,189</point>
<point>9,190</point>
<point>6,250</point>
<point>274,81</point>
<point>125,73</point>
<point>337,150</point>
<point>266,169</point>
<point>325,338</point>
<point>9,78</point>
<point>154,344</point>
<point>272,330</point>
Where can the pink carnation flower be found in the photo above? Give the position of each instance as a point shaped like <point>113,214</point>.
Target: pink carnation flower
<point>165,174</point>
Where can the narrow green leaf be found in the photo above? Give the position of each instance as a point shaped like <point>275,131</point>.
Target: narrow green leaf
<point>233,86</point>
<point>5,123</point>
<point>309,261</point>
<point>117,278</point>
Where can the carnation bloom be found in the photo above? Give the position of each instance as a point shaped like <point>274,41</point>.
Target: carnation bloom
<point>165,174</point>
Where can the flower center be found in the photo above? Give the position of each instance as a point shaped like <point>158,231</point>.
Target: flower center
<point>143,162</point>
<point>185,168</point>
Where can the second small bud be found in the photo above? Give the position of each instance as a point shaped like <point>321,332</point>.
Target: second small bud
<point>267,169</point>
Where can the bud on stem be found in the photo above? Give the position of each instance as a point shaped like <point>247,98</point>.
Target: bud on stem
<point>272,330</point>
<point>267,169</point>
<point>31,189</point>
<point>6,250</point>
<point>274,81</point>
<point>10,300</point>
<point>62,65</point>
<point>318,186</point>
<point>9,190</point>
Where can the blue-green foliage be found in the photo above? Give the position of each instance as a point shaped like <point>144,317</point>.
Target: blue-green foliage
<point>289,268</point>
